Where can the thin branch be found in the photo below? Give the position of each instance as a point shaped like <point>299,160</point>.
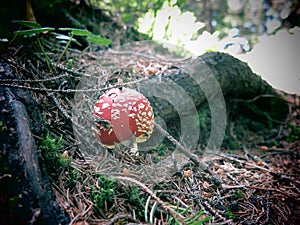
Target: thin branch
<point>118,217</point>
<point>156,58</point>
<point>102,89</point>
<point>152,194</point>
<point>185,151</point>
<point>34,81</point>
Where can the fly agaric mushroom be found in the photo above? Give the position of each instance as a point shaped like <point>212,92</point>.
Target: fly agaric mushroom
<point>123,114</point>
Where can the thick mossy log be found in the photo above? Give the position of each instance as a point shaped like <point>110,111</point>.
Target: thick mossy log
<point>234,77</point>
<point>220,88</point>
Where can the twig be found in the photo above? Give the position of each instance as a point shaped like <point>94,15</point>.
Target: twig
<point>245,163</point>
<point>63,68</point>
<point>194,158</point>
<point>224,186</point>
<point>120,216</point>
<point>58,105</point>
<point>156,58</point>
<point>34,81</point>
<point>215,212</point>
<point>255,157</point>
<point>267,189</point>
<point>278,175</point>
<point>81,214</point>
<point>255,98</point>
<point>152,194</point>
<point>102,89</point>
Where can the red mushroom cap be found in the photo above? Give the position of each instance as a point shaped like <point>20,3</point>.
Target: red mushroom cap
<point>121,115</point>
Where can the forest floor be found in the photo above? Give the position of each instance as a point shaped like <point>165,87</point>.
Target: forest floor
<point>256,184</point>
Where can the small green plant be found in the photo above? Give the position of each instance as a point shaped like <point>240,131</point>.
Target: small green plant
<point>197,218</point>
<point>64,160</point>
<point>103,195</point>
<point>134,195</point>
<point>96,39</point>
<point>294,134</point>
<point>51,150</point>
<point>2,128</point>
<point>238,194</point>
<point>35,30</point>
<point>228,214</point>
<point>73,178</point>
<point>202,115</point>
<point>161,148</point>
<point>50,147</point>
<point>137,199</point>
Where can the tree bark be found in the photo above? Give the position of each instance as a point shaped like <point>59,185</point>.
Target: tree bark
<point>26,197</point>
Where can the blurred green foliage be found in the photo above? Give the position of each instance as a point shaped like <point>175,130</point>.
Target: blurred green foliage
<point>248,16</point>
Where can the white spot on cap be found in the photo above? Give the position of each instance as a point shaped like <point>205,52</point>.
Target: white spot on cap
<point>115,114</point>
<point>97,110</point>
<point>141,105</point>
<point>132,115</point>
<point>105,105</point>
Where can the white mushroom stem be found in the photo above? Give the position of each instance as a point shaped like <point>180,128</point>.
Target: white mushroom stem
<point>134,148</point>
<point>132,144</point>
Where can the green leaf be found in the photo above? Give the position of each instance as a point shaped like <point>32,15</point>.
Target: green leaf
<point>98,40</point>
<point>75,31</point>
<point>27,23</point>
<point>34,31</point>
<point>81,32</point>
<point>62,37</point>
